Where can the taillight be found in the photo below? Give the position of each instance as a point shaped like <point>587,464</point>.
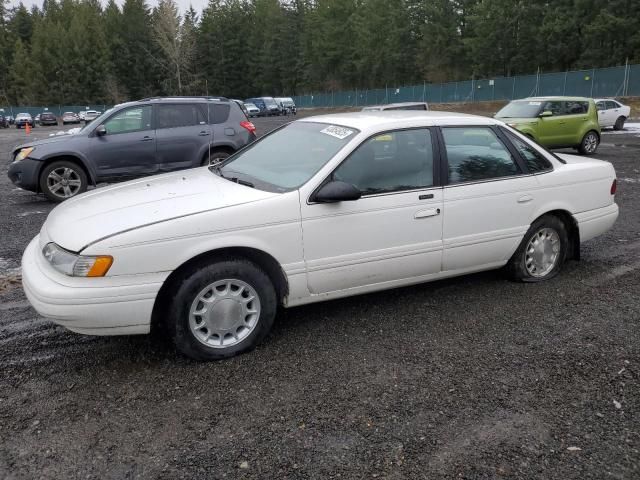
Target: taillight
<point>250,127</point>
<point>614,186</point>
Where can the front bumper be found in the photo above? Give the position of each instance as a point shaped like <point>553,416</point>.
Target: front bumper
<point>120,305</point>
<point>24,174</point>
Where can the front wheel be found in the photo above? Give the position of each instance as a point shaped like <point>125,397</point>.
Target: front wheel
<point>222,309</point>
<point>62,180</point>
<point>542,252</point>
<point>589,143</point>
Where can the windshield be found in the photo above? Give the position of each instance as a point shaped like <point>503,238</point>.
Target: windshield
<point>287,158</point>
<point>521,109</point>
<point>269,102</point>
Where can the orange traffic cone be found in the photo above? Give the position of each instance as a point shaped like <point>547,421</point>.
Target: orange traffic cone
<point>27,128</point>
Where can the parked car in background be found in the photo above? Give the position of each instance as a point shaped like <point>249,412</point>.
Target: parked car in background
<point>556,122</point>
<point>70,117</point>
<point>322,208</point>
<point>267,105</point>
<point>11,119</point>
<point>4,122</point>
<point>133,140</point>
<point>612,113</point>
<point>36,119</point>
<point>397,106</point>
<point>81,115</point>
<point>287,105</point>
<point>252,110</point>
<point>91,115</point>
<point>23,119</point>
<point>48,118</point>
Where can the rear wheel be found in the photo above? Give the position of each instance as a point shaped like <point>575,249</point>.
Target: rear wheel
<point>619,125</point>
<point>589,143</point>
<point>62,180</point>
<point>215,157</point>
<point>542,252</point>
<point>222,309</point>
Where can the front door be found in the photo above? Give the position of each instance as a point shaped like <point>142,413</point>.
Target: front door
<point>129,147</point>
<point>183,133</point>
<point>392,233</point>
<point>487,200</point>
<point>555,130</point>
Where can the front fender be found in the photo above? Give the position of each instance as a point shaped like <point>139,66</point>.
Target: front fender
<point>79,156</point>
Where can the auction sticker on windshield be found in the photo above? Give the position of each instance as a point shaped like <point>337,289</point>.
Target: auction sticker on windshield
<point>535,103</point>
<point>338,132</point>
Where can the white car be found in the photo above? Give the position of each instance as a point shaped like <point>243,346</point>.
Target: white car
<point>397,106</point>
<point>612,113</point>
<point>252,110</point>
<point>91,115</point>
<point>322,208</point>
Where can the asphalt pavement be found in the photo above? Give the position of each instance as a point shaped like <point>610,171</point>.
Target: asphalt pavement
<point>470,378</point>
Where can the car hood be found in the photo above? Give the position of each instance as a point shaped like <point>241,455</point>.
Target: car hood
<point>44,141</point>
<point>120,208</point>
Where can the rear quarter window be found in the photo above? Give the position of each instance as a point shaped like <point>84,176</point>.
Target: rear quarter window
<point>219,112</point>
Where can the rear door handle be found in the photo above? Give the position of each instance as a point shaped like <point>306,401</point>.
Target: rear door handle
<point>525,199</point>
<point>146,139</point>
<point>430,212</point>
<point>204,134</point>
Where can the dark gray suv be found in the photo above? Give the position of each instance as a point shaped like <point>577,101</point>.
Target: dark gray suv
<point>135,139</point>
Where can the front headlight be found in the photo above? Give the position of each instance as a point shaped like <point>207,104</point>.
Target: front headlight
<point>76,265</point>
<point>24,153</point>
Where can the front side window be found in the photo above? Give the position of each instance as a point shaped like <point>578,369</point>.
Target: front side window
<point>130,120</point>
<point>287,158</point>
<point>179,115</point>
<point>601,105</point>
<point>555,107</point>
<point>476,154</point>
<point>390,162</point>
<point>536,162</point>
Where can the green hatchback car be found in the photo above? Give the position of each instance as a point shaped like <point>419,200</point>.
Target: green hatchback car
<point>556,122</point>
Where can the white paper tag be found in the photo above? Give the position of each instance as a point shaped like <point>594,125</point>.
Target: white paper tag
<point>338,132</point>
<point>535,103</point>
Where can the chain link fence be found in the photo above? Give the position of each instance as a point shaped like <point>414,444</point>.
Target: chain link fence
<point>599,82</point>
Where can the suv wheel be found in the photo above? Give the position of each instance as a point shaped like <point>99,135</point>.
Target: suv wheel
<point>215,157</point>
<point>589,143</point>
<point>62,180</point>
<point>221,309</point>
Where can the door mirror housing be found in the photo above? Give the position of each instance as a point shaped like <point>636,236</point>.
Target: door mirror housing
<point>546,113</point>
<point>101,131</point>
<point>337,191</point>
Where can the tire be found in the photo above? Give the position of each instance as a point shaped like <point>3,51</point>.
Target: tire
<point>75,176</point>
<point>619,125</point>
<point>589,143</point>
<point>199,336</point>
<point>215,157</point>
<point>526,266</point>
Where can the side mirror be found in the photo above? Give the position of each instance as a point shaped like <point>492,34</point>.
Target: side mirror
<point>101,131</point>
<point>337,191</point>
<point>546,113</point>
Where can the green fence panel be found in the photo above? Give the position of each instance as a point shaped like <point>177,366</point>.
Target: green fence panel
<point>552,84</point>
<point>633,81</point>
<point>525,86</point>
<point>580,83</point>
<point>609,82</point>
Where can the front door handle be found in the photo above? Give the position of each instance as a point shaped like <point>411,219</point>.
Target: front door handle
<point>525,199</point>
<point>430,212</point>
<point>146,139</point>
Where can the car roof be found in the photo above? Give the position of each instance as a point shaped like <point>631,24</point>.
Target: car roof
<point>394,119</point>
<point>606,99</point>
<point>582,99</point>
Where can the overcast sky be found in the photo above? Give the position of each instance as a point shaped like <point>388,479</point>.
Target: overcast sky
<point>183,5</point>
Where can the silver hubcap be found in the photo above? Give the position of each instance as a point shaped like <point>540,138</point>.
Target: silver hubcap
<point>63,182</point>
<point>215,161</point>
<point>590,143</point>
<point>542,253</point>
<point>224,313</point>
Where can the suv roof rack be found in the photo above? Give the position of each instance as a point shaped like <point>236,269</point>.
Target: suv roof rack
<point>186,97</point>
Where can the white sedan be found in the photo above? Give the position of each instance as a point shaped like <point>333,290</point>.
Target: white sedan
<point>612,113</point>
<point>322,208</point>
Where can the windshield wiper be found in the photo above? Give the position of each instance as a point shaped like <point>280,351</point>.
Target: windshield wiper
<point>242,182</point>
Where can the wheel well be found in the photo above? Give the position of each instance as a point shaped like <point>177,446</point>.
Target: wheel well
<point>262,259</point>
<point>573,231</point>
<point>68,158</point>
<point>221,148</point>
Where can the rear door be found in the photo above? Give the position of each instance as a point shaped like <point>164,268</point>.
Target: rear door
<point>129,147</point>
<point>182,133</point>
<point>224,133</point>
<point>613,112</point>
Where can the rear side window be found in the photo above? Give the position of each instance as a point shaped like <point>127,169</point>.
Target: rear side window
<point>577,108</point>
<point>535,161</point>
<point>475,154</point>
<point>611,104</point>
<point>179,115</point>
<point>219,112</point>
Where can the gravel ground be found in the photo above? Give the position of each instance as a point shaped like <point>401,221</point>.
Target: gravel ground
<point>474,377</point>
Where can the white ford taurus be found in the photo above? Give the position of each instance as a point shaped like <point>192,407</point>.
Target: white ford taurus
<point>324,207</point>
